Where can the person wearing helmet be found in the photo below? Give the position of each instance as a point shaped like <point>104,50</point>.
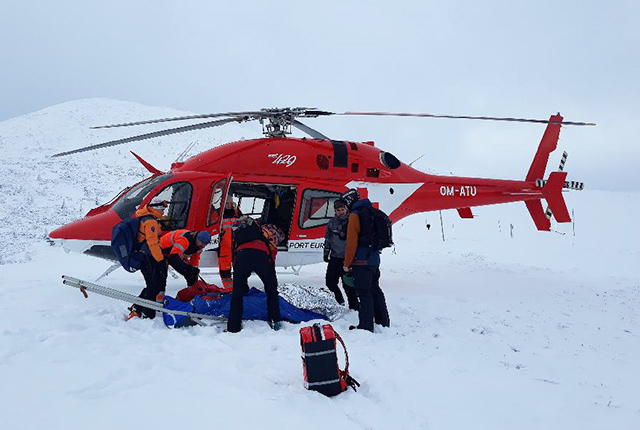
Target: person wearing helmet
<point>365,264</point>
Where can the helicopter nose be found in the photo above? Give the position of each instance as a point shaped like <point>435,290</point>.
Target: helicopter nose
<point>94,228</point>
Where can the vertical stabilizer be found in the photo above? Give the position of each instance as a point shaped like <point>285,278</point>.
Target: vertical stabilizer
<point>547,145</point>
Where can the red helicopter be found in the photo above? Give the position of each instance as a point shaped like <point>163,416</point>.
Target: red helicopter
<point>293,182</point>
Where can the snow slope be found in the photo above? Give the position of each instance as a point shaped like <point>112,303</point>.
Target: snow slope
<point>489,331</point>
<point>41,193</point>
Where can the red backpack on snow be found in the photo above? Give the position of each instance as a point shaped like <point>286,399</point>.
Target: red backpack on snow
<point>320,361</point>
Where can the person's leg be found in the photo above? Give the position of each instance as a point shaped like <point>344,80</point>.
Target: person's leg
<point>151,271</point>
<point>267,274</point>
<point>349,290</point>
<point>362,276</point>
<point>242,271</point>
<point>334,272</point>
<point>225,258</point>
<point>352,297</point>
<point>379,302</point>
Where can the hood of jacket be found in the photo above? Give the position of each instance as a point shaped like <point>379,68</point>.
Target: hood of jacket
<point>146,210</point>
<point>362,203</point>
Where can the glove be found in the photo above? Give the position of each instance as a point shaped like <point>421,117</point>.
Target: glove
<point>192,276</point>
<point>327,254</point>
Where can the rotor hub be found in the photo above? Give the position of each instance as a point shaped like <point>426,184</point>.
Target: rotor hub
<point>276,122</point>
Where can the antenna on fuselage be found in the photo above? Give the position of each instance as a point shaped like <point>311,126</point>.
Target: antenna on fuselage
<point>410,164</point>
<point>187,149</point>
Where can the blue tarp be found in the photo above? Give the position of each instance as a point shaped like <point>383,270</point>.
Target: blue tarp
<point>254,308</point>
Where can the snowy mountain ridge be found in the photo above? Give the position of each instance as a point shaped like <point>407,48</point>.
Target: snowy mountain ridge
<point>41,193</point>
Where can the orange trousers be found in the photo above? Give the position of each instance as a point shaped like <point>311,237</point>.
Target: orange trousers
<point>225,258</point>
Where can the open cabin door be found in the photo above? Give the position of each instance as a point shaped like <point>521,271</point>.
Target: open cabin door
<point>269,203</point>
<point>219,192</point>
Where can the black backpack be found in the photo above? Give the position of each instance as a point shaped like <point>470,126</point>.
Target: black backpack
<point>124,243</point>
<point>246,229</point>
<point>376,231</point>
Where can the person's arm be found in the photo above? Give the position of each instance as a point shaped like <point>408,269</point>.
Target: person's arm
<point>327,235</point>
<point>327,243</point>
<point>194,260</point>
<point>176,261</point>
<point>353,231</point>
<point>190,273</point>
<point>152,236</point>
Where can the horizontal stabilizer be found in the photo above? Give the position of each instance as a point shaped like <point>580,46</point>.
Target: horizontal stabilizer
<point>553,194</point>
<point>537,213</point>
<point>465,213</point>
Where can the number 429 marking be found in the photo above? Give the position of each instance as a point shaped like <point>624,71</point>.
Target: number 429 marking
<point>285,159</point>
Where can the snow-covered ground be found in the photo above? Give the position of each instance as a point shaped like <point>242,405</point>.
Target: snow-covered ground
<point>493,328</point>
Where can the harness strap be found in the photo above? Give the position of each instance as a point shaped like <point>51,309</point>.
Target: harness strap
<point>351,382</point>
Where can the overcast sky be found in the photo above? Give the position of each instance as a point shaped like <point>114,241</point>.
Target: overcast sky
<point>502,58</point>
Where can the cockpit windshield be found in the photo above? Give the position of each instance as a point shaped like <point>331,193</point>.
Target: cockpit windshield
<point>127,204</point>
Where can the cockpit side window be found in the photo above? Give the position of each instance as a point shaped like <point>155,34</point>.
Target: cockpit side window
<point>178,197</point>
<point>126,205</point>
<point>317,208</point>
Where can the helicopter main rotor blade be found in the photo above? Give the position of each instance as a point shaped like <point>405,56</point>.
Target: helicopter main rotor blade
<point>152,135</point>
<point>310,131</point>
<point>483,118</point>
<point>184,118</point>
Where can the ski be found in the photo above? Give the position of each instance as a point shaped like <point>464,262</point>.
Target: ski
<point>85,286</point>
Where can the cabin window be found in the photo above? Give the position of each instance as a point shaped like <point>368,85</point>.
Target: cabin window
<point>126,205</point>
<point>251,206</point>
<point>175,215</point>
<point>317,208</point>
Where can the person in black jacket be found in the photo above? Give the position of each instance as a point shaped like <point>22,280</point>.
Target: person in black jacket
<point>335,240</point>
<point>256,250</point>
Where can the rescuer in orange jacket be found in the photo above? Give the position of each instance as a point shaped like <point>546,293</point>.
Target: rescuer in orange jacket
<point>182,249</point>
<point>154,268</point>
<point>225,252</point>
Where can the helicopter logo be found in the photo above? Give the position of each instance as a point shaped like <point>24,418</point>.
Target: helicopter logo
<point>285,159</point>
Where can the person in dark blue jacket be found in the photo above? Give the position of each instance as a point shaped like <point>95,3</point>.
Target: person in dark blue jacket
<point>365,263</point>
